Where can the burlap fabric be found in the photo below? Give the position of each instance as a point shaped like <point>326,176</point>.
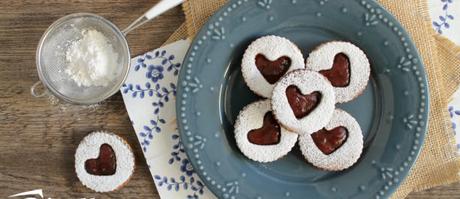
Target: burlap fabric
<point>438,162</point>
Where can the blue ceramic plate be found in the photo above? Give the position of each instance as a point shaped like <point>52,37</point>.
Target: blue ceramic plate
<point>392,111</point>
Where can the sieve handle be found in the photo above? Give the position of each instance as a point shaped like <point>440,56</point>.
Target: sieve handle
<point>33,90</point>
<point>158,9</point>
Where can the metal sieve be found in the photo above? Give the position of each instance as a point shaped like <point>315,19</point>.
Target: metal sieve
<point>51,54</point>
<point>51,58</point>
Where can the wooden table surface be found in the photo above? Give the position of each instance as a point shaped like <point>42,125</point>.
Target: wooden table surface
<point>38,139</point>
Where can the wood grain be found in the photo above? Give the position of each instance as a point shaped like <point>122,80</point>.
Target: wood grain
<point>38,139</point>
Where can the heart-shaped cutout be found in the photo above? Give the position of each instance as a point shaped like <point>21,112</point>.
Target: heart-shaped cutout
<point>302,105</point>
<point>339,74</point>
<point>105,164</point>
<point>330,140</point>
<point>268,134</point>
<point>272,71</point>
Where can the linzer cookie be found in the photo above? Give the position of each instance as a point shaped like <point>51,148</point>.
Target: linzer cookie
<point>344,65</point>
<point>303,101</point>
<point>266,60</point>
<point>335,147</point>
<point>258,134</point>
<point>104,161</point>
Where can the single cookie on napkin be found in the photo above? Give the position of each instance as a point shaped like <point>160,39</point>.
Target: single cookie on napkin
<point>104,161</point>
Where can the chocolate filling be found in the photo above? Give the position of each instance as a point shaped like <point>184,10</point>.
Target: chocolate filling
<point>302,105</point>
<point>272,71</point>
<point>339,74</point>
<point>268,134</point>
<point>105,164</point>
<point>329,141</point>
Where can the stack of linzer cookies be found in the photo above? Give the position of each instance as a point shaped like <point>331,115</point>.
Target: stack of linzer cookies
<point>300,105</point>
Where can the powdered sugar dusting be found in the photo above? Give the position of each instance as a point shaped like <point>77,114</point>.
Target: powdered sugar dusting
<point>343,157</point>
<point>322,58</point>
<point>92,60</point>
<point>89,149</point>
<point>307,82</point>
<point>272,47</point>
<point>251,117</point>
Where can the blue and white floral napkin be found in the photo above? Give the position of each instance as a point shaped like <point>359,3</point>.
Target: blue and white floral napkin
<point>445,15</point>
<point>149,94</point>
